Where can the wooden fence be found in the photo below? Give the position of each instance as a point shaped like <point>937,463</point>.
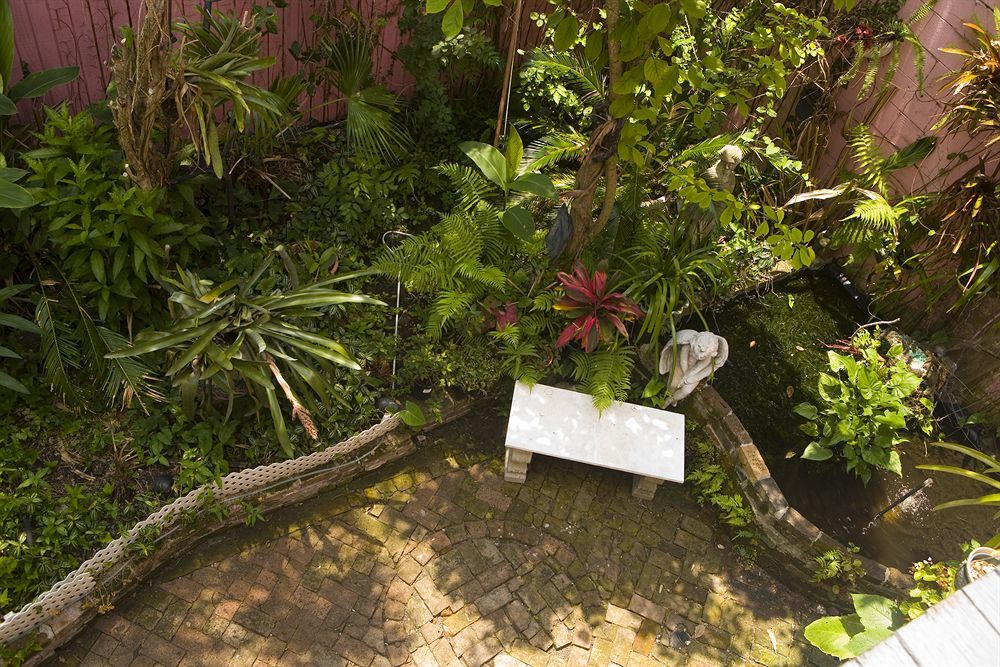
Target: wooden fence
<point>59,33</point>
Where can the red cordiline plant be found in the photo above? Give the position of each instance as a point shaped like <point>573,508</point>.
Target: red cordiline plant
<point>596,313</point>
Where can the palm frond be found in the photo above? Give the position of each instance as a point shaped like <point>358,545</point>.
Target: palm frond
<point>587,80</point>
<point>60,352</point>
<point>554,147</point>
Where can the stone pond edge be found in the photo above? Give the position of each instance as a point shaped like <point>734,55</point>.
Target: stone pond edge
<point>783,528</point>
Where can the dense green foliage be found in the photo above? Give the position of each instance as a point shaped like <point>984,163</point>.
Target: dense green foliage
<point>867,403</point>
<point>173,259</point>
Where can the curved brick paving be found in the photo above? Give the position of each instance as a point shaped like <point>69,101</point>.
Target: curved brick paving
<point>436,561</point>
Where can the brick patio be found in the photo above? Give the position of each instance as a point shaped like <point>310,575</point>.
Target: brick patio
<point>436,561</point>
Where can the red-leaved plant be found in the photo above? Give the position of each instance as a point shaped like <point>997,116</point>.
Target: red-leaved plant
<point>597,314</point>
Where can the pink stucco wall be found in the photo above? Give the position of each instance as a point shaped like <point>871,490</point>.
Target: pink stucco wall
<point>910,112</point>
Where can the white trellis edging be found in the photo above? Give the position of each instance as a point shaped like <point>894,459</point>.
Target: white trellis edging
<point>102,568</point>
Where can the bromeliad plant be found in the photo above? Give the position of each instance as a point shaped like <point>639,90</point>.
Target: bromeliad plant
<point>865,406</point>
<point>597,313</point>
<point>233,339</point>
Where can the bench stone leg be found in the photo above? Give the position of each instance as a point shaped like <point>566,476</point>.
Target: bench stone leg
<point>516,465</point>
<point>644,487</point>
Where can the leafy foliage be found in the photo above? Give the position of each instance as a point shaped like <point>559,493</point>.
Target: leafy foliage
<point>867,402</point>
<point>714,488</point>
<point>842,567</point>
<point>108,236</point>
<point>9,320</point>
<point>229,338</point>
<point>345,64</point>
<point>976,85</point>
<point>844,637</point>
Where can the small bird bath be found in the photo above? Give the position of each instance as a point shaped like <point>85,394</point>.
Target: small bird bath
<point>776,343</point>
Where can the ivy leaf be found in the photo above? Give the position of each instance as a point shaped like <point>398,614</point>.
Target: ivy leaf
<point>832,634</point>
<point>816,452</point>
<point>451,24</point>
<point>622,106</point>
<point>412,415</point>
<point>566,33</point>
<point>519,222</point>
<point>863,641</point>
<point>657,18</point>
<point>807,410</point>
<point>875,611</point>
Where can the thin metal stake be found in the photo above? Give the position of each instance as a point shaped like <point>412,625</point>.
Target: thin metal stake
<point>399,293</point>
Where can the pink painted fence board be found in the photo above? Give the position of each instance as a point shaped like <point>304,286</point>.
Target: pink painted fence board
<point>911,113</point>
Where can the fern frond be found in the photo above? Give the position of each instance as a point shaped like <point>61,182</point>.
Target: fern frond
<point>60,353</point>
<point>871,72</point>
<point>921,12</point>
<point>868,157</point>
<point>857,60</point>
<point>449,304</point>
<point>554,147</point>
<point>470,185</point>
<point>606,374</point>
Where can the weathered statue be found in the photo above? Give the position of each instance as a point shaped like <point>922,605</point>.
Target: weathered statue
<point>698,355</point>
<point>721,176</point>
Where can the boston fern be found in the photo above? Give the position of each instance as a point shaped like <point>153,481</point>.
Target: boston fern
<point>231,339</point>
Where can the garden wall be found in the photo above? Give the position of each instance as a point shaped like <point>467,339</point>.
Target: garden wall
<point>909,112</point>
<point>783,528</point>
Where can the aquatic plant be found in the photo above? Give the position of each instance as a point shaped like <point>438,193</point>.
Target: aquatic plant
<point>866,403</point>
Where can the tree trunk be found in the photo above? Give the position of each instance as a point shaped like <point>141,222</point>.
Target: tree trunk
<point>600,159</point>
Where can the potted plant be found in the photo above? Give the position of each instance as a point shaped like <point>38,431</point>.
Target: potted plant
<point>980,562</point>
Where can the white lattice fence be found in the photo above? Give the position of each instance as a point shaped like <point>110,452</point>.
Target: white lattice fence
<point>106,564</point>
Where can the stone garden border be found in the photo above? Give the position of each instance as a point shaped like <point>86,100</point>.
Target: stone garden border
<point>783,528</point>
<point>59,614</point>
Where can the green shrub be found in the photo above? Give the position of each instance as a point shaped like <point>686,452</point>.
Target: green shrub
<point>867,402</point>
<point>103,233</point>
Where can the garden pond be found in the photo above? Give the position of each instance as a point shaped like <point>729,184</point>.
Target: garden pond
<point>778,346</point>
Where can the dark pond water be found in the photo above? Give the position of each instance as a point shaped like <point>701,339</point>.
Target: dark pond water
<point>777,350</point>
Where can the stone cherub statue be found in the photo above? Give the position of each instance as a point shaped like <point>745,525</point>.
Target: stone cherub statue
<point>721,176</point>
<point>698,355</point>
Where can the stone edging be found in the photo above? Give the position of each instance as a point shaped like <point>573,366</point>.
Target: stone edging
<point>393,445</point>
<point>784,529</point>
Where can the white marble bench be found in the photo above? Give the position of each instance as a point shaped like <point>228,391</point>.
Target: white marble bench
<point>647,442</point>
